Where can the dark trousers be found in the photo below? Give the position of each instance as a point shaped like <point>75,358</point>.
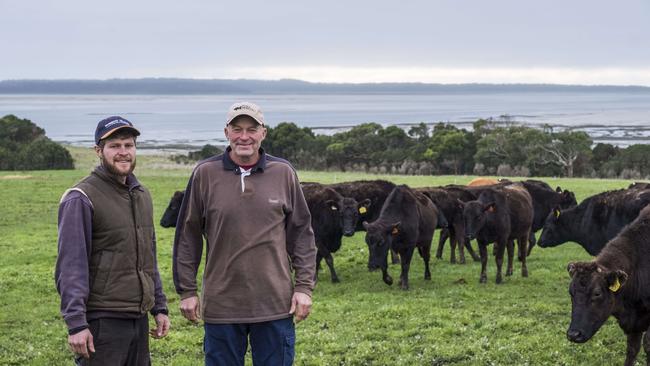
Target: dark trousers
<point>119,342</point>
<point>272,343</point>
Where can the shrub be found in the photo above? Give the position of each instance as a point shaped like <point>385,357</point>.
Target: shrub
<point>24,146</point>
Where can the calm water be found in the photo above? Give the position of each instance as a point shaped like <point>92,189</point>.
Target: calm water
<point>619,118</point>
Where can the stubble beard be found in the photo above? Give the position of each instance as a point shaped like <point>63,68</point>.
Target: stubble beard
<point>116,172</point>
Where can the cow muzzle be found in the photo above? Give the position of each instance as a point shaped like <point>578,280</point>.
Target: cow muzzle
<point>576,336</point>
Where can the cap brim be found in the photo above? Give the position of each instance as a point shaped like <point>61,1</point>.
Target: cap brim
<point>133,129</point>
<point>244,114</point>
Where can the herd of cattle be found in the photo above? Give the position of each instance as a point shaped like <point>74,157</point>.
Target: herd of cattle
<point>397,219</point>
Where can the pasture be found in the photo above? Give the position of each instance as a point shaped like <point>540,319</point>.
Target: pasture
<point>450,320</point>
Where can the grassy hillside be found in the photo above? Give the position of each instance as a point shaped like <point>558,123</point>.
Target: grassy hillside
<point>450,320</point>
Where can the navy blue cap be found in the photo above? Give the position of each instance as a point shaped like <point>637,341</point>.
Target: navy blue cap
<point>107,126</point>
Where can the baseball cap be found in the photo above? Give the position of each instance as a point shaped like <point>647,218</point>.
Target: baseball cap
<point>245,109</point>
<point>108,126</point>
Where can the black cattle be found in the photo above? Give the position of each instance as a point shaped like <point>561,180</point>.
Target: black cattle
<point>616,283</point>
<point>500,215</point>
<point>639,185</point>
<point>446,199</point>
<point>170,216</point>
<point>545,199</point>
<point>376,191</point>
<point>407,220</point>
<point>332,216</point>
<point>595,220</point>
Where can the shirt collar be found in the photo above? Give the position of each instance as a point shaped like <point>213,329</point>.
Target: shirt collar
<point>230,165</point>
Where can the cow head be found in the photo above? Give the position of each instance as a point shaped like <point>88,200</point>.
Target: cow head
<point>348,211</point>
<point>475,215</point>
<point>555,229</point>
<point>170,216</point>
<point>567,198</point>
<point>379,237</point>
<point>593,291</point>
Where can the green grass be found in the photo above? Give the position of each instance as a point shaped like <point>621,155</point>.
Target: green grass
<point>450,320</point>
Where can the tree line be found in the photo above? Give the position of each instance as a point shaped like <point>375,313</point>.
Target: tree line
<point>490,148</point>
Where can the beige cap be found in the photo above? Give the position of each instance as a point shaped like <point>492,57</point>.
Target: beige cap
<point>245,109</point>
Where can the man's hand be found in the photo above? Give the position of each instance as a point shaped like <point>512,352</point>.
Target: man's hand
<point>82,343</point>
<point>300,305</point>
<point>162,326</point>
<point>190,309</point>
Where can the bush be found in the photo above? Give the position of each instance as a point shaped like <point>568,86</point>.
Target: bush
<point>24,146</point>
<point>194,156</point>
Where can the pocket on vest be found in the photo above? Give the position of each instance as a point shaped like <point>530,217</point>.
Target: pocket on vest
<point>103,272</point>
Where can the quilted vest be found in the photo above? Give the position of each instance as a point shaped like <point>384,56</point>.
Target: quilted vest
<point>122,259</point>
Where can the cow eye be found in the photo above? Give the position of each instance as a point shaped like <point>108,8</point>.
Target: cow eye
<point>597,295</point>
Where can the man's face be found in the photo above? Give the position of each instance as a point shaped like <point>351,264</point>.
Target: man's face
<point>118,155</point>
<point>245,136</point>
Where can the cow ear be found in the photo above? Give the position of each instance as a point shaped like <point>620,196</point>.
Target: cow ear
<point>571,268</point>
<point>366,203</point>
<point>558,189</point>
<point>460,203</point>
<point>615,280</point>
<point>396,228</point>
<point>556,213</point>
<point>490,207</point>
<point>332,204</point>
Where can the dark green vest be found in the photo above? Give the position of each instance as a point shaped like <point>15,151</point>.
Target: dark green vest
<point>122,259</point>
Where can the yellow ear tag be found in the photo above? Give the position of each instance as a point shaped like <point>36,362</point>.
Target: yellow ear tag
<point>615,286</point>
<point>362,210</point>
<point>395,231</point>
<point>557,213</point>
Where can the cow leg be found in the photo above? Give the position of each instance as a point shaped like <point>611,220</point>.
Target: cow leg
<point>646,346</point>
<point>319,258</point>
<point>426,256</point>
<point>453,243</point>
<point>500,249</point>
<point>511,255</point>
<point>330,263</point>
<point>468,246</point>
<point>633,347</point>
<point>456,241</point>
<point>394,257</point>
<point>522,248</point>
<point>405,256</point>
<point>482,248</point>
<point>385,276</point>
<point>444,235</point>
<point>531,242</point>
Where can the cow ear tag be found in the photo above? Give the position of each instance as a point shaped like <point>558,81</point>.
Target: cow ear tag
<point>557,213</point>
<point>615,286</point>
<point>334,208</point>
<point>395,231</point>
<point>362,210</point>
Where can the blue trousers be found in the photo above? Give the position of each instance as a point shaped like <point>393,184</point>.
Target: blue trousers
<point>272,343</point>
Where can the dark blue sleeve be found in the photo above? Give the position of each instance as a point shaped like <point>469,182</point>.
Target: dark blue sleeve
<point>75,242</point>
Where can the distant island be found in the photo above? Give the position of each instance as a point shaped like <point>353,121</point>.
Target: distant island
<point>285,86</point>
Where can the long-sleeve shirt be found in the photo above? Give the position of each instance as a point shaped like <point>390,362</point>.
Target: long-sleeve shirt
<point>257,229</point>
<point>72,273</point>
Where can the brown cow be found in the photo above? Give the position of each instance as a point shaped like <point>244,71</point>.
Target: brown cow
<point>616,283</point>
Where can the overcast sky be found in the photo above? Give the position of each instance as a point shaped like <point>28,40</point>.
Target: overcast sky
<point>452,41</point>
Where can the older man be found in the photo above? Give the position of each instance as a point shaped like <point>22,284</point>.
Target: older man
<point>251,210</point>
